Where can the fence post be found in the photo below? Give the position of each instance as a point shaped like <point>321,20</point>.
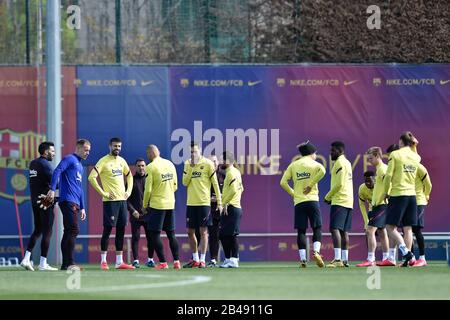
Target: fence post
<point>118,32</point>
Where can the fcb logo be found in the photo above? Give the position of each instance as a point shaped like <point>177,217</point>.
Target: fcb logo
<point>281,82</point>
<point>184,83</point>
<point>376,82</point>
<point>17,149</point>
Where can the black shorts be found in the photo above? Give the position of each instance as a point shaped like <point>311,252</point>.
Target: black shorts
<point>420,217</point>
<point>340,218</point>
<point>197,216</point>
<point>214,215</point>
<point>377,217</point>
<point>115,213</point>
<point>230,224</point>
<point>402,211</point>
<point>158,220</point>
<point>43,219</point>
<point>308,210</point>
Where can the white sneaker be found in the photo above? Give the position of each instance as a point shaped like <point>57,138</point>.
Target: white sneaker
<point>26,264</point>
<point>234,263</point>
<point>226,264</point>
<point>47,267</point>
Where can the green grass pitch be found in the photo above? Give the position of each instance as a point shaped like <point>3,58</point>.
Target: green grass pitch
<point>256,280</point>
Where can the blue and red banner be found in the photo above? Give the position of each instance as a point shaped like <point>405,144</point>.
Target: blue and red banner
<point>272,107</point>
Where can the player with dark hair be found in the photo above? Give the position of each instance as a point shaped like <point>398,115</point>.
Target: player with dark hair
<point>159,202</point>
<point>112,169</point>
<point>214,218</point>
<point>199,175</point>
<point>306,173</point>
<point>423,190</point>
<point>341,199</point>
<point>40,178</point>
<point>230,219</point>
<point>365,192</point>
<point>137,219</point>
<point>376,224</point>
<point>69,175</point>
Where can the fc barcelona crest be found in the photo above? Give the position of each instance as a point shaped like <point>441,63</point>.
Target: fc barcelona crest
<point>17,149</point>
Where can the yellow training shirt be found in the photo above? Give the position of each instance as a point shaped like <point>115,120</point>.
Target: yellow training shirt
<point>232,187</point>
<point>198,180</point>
<point>160,185</point>
<point>423,186</point>
<point>365,195</point>
<point>112,170</point>
<point>401,173</point>
<point>378,190</point>
<point>304,172</point>
<point>341,193</point>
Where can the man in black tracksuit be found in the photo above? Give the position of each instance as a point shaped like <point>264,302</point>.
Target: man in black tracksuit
<point>214,217</point>
<point>137,220</point>
<point>40,179</point>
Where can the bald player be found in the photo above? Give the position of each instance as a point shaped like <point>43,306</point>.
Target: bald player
<point>159,202</point>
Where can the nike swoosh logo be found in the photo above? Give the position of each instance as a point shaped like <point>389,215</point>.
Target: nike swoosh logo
<point>146,83</point>
<point>347,83</point>
<point>253,83</point>
<point>444,82</point>
<point>253,248</point>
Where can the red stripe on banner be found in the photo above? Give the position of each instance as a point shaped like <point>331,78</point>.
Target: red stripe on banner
<point>30,150</point>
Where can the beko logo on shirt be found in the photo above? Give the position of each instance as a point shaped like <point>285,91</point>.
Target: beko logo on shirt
<point>196,174</point>
<point>116,172</point>
<point>303,175</point>
<point>166,176</point>
<point>33,173</point>
<point>409,168</point>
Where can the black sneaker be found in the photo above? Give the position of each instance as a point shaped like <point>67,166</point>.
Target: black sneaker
<point>407,258</point>
<point>211,264</point>
<point>345,263</point>
<point>136,264</point>
<point>191,264</point>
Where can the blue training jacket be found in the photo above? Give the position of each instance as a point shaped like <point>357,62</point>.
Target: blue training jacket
<point>69,174</point>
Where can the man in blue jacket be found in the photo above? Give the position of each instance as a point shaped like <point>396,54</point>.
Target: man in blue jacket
<point>68,174</point>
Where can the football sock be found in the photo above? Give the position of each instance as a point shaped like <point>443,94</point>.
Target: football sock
<point>344,255</point>
<point>316,246</point>
<point>302,253</point>
<point>103,257</point>
<point>195,256</point>
<point>337,253</point>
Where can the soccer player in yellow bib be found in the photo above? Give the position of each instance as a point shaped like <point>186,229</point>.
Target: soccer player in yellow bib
<point>341,199</point>
<point>159,201</point>
<point>400,189</point>
<point>198,176</point>
<point>230,219</point>
<point>365,193</point>
<point>377,216</point>
<point>112,169</point>
<point>423,190</point>
<point>306,173</point>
